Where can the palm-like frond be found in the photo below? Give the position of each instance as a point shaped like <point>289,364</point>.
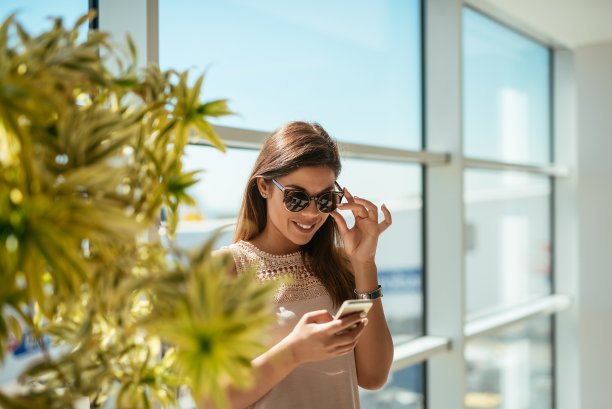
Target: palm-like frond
<point>219,326</point>
<point>87,160</point>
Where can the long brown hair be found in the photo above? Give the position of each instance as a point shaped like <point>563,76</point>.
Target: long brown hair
<point>293,146</point>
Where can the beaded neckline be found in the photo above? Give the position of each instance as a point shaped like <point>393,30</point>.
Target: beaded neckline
<point>265,254</point>
<point>303,284</point>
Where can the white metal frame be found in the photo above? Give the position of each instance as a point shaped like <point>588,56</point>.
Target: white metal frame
<point>250,139</point>
<point>548,305</point>
<point>445,306</point>
<point>446,328</point>
<point>418,350</point>
<point>566,260</point>
<point>554,171</point>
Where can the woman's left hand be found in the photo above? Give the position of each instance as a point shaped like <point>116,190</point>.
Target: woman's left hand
<point>361,240</point>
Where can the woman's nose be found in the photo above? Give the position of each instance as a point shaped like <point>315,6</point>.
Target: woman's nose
<point>312,208</point>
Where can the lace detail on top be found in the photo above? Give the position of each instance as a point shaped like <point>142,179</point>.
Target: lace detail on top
<point>302,282</point>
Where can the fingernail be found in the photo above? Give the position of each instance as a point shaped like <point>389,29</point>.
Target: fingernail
<point>363,314</point>
<point>365,322</point>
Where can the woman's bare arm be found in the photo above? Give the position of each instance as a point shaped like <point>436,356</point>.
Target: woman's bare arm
<point>374,352</point>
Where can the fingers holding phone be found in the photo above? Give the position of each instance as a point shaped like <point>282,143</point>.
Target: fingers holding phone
<point>318,335</point>
<point>353,311</point>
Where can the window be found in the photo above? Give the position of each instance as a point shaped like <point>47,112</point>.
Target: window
<point>217,206</point>
<point>399,255</point>
<point>403,390</point>
<point>506,93</point>
<point>399,250</point>
<point>508,259</point>
<point>508,213</point>
<point>512,368</point>
<point>353,67</point>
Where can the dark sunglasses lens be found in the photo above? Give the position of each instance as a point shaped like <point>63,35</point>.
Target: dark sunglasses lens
<point>296,201</point>
<point>328,202</point>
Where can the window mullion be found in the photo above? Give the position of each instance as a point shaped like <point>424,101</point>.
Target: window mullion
<point>443,192</point>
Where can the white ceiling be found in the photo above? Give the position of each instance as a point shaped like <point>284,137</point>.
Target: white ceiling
<point>571,23</point>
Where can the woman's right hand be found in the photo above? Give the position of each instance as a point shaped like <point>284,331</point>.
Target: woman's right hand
<point>315,337</point>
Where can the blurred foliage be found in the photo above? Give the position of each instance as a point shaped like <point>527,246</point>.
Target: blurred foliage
<point>89,157</point>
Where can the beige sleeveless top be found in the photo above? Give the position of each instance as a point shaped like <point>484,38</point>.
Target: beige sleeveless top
<point>330,383</point>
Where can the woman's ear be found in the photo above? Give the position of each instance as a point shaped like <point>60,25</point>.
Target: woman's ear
<point>262,186</point>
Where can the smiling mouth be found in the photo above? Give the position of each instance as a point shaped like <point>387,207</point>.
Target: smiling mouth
<point>304,227</point>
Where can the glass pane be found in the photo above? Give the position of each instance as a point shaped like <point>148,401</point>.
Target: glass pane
<point>511,369</point>
<point>353,66</point>
<point>399,249</point>
<point>35,15</point>
<point>398,258</point>
<point>218,195</point>
<point>403,390</point>
<point>508,243</point>
<point>506,93</point>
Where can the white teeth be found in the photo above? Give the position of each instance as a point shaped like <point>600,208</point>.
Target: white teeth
<point>303,226</point>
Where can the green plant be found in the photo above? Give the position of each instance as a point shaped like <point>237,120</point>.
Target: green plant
<point>88,159</point>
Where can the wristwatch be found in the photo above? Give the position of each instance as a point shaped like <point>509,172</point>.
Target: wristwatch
<point>372,295</point>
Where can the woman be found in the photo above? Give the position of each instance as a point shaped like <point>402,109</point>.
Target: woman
<point>289,226</point>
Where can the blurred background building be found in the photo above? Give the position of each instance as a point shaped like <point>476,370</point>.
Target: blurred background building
<point>486,128</point>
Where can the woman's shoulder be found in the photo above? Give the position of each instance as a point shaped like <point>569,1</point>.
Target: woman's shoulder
<point>223,251</point>
<point>236,250</point>
<point>239,254</point>
<point>228,252</point>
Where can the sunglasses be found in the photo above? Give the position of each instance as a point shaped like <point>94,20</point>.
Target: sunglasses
<point>298,200</point>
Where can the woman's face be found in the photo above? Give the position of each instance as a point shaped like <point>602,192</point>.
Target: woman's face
<point>297,228</point>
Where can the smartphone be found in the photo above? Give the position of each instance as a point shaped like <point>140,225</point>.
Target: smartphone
<point>352,306</point>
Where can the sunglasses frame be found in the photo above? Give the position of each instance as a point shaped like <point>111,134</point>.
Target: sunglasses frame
<point>310,198</point>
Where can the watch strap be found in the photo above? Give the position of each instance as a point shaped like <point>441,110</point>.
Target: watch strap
<point>372,295</point>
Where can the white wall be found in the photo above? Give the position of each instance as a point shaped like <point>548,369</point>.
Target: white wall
<point>593,66</point>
